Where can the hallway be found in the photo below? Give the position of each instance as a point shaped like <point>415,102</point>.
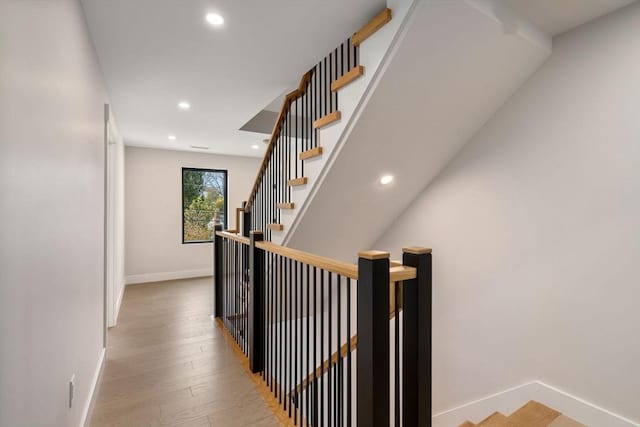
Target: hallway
<point>169,365</point>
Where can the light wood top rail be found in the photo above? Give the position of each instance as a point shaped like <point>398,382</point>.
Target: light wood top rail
<point>402,272</point>
<point>232,236</point>
<point>286,106</point>
<point>338,267</point>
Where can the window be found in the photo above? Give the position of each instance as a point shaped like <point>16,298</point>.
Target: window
<point>204,203</point>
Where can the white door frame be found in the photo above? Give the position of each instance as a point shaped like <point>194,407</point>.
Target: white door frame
<point>111,295</point>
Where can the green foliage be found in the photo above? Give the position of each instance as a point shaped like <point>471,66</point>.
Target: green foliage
<point>203,196</point>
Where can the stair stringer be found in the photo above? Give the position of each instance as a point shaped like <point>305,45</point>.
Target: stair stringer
<point>448,69</point>
<point>374,54</point>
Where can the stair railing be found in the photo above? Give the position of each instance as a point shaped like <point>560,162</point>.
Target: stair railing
<point>326,337</point>
<point>312,105</point>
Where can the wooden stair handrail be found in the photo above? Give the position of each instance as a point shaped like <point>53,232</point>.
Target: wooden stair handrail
<point>286,106</point>
<point>230,235</point>
<point>342,268</point>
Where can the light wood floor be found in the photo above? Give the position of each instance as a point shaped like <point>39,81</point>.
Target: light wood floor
<point>168,364</point>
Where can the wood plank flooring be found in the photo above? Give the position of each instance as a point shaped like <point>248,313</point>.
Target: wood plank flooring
<point>168,364</point>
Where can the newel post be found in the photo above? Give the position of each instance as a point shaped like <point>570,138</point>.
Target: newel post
<point>256,303</point>
<point>373,339</point>
<point>218,280</point>
<point>416,353</point>
<point>246,221</point>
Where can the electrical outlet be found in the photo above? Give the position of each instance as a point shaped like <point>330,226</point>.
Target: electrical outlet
<point>72,387</point>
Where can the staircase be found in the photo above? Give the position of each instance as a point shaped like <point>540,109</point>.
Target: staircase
<point>329,342</point>
<point>532,414</point>
<point>312,121</point>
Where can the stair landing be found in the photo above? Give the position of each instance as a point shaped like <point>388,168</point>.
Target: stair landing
<point>532,414</point>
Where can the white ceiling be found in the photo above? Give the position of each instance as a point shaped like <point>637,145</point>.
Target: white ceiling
<point>154,53</point>
<point>558,16</point>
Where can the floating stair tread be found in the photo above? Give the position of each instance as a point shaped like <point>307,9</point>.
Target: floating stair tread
<point>286,205</point>
<point>564,421</point>
<point>467,424</point>
<point>309,154</point>
<point>298,181</point>
<point>498,420</point>
<point>378,21</point>
<point>534,414</point>
<point>276,227</point>
<point>347,78</point>
<point>327,120</point>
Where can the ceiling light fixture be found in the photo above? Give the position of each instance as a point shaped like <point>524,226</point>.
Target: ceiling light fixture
<point>214,19</point>
<point>255,146</point>
<point>184,105</point>
<point>386,179</point>
<point>172,137</point>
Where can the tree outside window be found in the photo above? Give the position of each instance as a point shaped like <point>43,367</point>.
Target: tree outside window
<point>204,203</point>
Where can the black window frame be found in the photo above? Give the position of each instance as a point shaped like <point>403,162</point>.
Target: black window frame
<point>226,193</point>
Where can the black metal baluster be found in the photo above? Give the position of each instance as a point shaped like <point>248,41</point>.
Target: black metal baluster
<point>235,291</point>
<point>295,339</point>
<point>335,74</point>
<point>289,151</point>
<point>324,87</point>
<point>338,343</point>
<point>315,348</point>
<point>307,371</point>
<point>300,324</point>
<point>330,368</point>
<point>288,389</point>
<point>322,380</point>
<point>281,334</point>
<point>349,352</point>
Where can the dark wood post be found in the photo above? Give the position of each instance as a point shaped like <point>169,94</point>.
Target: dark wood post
<point>246,221</point>
<point>256,303</point>
<point>218,280</point>
<point>416,326</point>
<point>373,339</point>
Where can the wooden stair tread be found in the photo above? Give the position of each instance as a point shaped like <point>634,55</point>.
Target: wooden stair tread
<point>378,21</point>
<point>347,78</point>
<point>534,414</point>
<point>327,120</point>
<point>309,154</point>
<point>286,205</point>
<point>564,421</point>
<point>497,420</point>
<point>297,181</point>
<point>275,227</point>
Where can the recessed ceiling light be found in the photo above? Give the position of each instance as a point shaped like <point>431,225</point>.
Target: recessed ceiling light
<point>214,19</point>
<point>386,179</point>
<point>255,146</point>
<point>184,105</point>
<point>172,137</point>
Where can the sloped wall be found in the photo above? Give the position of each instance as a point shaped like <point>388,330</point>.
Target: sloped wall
<point>535,228</point>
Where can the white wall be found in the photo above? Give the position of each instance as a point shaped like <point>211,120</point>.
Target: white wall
<point>535,229</point>
<point>52,212</point>
<point>153,200</point>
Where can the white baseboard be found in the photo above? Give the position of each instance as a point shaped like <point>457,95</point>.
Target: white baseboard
<point>92,389</point>
<point>171,275</point>
<point>510,400</point>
